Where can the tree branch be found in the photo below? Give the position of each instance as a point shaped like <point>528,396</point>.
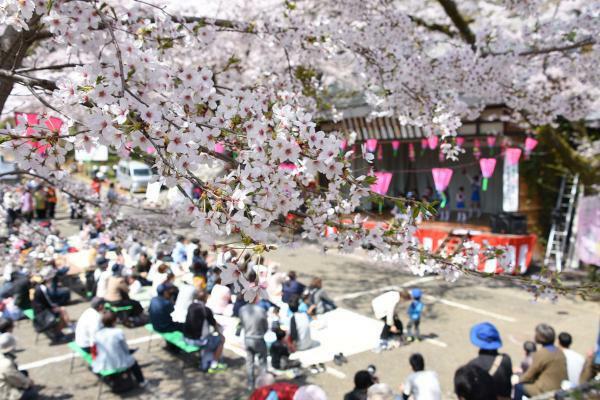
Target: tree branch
<point>432,26</point>
<point>459,21</point>
<point>26,80</point>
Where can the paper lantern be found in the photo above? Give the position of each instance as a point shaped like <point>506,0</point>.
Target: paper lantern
<point>460,141</point>
<point>441,180</point>
<point>487,170</point>
<point>219,148</point>
<point>411,152</point>
<point>441,156</point>
<point>381,185</point>
<point>395,147</point>
<point>477,149</point>
<point>371,145</point>
<point>491,141</point>
<point>512,155</point>
<point>380,152</point>
<point>432,141</point>
<point>530,144</point>
<point>423,145</point>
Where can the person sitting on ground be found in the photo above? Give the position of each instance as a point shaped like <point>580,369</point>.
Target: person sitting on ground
<point>220,299</point>
<point>161,308</point>
<point>14,384</point>
<point>363,380</point>
<point>111,350</point>
<point>388,307</point>
<point>591,368</point>
<point>473,383</point>
<point>415,309</point>
<point>487,338</point>
<point>88,324</point>
<point>310,392</point>
<point>43,307</point>
<point>21,285</point>
<point>101,275</point>
<point>179,253</point>
<point>158,275</point>
<point>575,360</point>
<point>266,386</point>
<point>548,369</point>
<point>320,302</point>
<point>380,391</point>
<point>280,353</point>
<point>529,348</point>
<point>202,330</point>
<point>421,384</point>
<point>142,268</point>
<point>300,328</point>
<point>291,288</point>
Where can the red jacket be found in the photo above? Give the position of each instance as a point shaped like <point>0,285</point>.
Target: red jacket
<point>284,390</point>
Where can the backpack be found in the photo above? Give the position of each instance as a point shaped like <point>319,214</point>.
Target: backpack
<point>121,382</point>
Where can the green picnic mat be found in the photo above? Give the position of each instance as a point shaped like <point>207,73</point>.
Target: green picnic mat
<point>28,313</point>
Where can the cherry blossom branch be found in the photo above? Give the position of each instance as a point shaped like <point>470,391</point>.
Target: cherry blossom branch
<point>459,21</point>
<point>49,67</point>
<point>26,80</point>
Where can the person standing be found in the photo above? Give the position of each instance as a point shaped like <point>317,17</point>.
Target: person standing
<point>111,194</point>
<point>548,369</point>
<point>51,200</point>
<point>487,338</point>
<point>421,384</point>
<point>575,360</point>
<point>14,384</point>
<point>415,309</point>
<point>39,199</point>
<point>11,204</point>
<point>388,308</point>
<point>253,320</point>
<point>27,205</point>
<point>461,214</point>
<point>96,186</point>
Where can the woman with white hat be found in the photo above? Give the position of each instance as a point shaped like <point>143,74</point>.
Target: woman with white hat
<point>14,384</point>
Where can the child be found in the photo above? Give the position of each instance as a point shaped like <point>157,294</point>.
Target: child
<point>414,314</point>
<point>529,348</point>
<point>475,196</point>
<point>461,215</point>
<point>280,353</point>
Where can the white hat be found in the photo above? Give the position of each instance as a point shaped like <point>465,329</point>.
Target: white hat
<point>7,343</point>
<point>310,392</point>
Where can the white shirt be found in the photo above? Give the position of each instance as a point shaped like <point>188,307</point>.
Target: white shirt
<point>384,304</point>
<point>102,283</point>
<point>423,385</point>
<point>88,324</point>
<point>575,363</point>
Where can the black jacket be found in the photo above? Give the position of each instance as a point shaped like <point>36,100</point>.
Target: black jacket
<point>40,301</point>
<point>198,314</point>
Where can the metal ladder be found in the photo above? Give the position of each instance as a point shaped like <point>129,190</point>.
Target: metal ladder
<point>561,238</point>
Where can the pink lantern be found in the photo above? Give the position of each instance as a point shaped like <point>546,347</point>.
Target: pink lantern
<point>460,141</point>
<point>53,124</point>
<point>487,170</point>
<point>423,143</point>
<point>432,141</point>
<point>530,144</point>
<point>441,156</point>
<point>411,152</point>
<point>287,166</point>
<point>395,147</point>
<point>477,149</point>
<point>441,180</point>
<point>381,185</point>
<point>219,148</point>
<point>343,144</point>
<point>491,141</point>
<point>512,155</point>
<point>380,152</point>
<point>371,145</point>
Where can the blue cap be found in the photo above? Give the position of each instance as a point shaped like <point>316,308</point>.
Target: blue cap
<point>486,336</point>
<point>416,294</point>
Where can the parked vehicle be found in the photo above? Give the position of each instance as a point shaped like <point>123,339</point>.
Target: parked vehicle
<point>133,175</point>
<point>5,168</point>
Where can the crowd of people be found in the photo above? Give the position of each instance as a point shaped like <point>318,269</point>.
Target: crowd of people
<point>182,282</point>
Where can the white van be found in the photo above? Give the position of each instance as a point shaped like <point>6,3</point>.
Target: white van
<point>133,175</point>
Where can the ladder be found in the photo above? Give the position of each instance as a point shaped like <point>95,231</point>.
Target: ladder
<point>561,238</point>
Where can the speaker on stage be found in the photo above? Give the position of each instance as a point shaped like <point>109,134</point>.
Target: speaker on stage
<point>509,223</point>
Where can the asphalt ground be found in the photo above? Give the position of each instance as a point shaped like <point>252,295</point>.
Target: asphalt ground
<point>354,280</point>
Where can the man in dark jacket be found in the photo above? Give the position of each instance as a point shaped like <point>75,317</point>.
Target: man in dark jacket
<point>291,288</point>
<point>197,332</point>
<point>499,366</point>
<point>160,310</point>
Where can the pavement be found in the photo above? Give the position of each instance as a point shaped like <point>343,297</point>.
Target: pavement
<point>353,280</point>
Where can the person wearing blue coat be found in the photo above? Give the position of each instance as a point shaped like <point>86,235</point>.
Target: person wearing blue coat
<point>414,314</point>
